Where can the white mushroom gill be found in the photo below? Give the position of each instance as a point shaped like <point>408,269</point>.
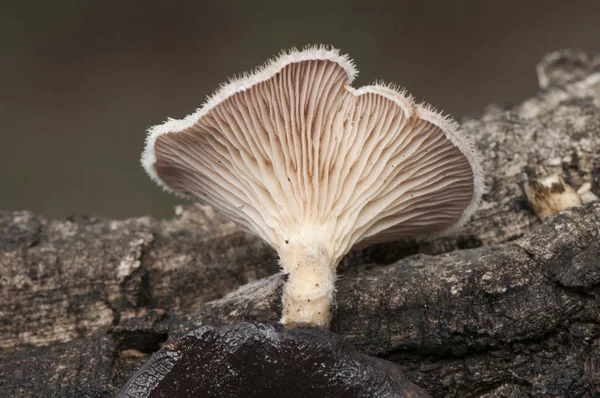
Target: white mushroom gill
<point>296,155</point>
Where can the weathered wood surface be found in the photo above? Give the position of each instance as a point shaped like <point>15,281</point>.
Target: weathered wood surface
<point>512,308</point>
<point>64,279</point>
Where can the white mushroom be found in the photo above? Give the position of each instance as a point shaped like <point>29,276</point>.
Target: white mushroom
<point>296,155</point>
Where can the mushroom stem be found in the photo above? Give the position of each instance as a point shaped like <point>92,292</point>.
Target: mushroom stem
<point>308,291</point>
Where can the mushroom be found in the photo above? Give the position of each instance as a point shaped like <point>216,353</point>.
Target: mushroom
<point>294,154</point>
<point>550,195</point>
<point>257,360</point>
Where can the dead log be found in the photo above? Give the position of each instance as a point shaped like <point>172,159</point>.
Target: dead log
<point>506,306</point>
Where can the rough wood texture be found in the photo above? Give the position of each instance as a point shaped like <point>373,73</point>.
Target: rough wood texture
<point>64,279</point>
<point>512,311</point>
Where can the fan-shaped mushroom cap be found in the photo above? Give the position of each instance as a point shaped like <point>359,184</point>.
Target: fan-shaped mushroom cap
<point>296,155</point>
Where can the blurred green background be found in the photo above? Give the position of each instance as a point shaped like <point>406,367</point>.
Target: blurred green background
<point>80,81</point>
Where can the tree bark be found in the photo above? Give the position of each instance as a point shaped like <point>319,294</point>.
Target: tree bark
<point>506,306</point>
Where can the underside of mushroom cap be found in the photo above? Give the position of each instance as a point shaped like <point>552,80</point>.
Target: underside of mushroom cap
<point>293,152</point>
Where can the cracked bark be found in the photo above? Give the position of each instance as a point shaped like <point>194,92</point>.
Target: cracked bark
<point>506,306</point>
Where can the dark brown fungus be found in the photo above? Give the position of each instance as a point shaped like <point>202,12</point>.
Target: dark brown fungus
<point>258,360</point>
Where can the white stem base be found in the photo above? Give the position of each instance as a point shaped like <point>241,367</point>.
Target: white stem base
<point>308,292</point>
